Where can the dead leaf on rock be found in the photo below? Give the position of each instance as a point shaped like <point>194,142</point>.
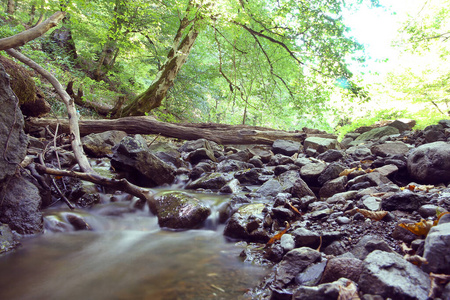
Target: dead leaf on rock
<point>349,292</point>
<point>278,236</point>
<point>420,228</point>
<point>347,172</point>
<point>415,259</point>
<point>373,215</point>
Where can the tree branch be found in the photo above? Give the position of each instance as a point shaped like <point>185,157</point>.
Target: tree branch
<point>77,147</point>
<point>24,37</point>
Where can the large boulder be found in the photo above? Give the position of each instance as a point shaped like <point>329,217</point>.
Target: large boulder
<point>320,144</point>
<point>430,163</point>
<point>140,166</point>
<point>20,206</point>
<point>13,140</point>
<point>101,144</point>
<point>374,134</point>
<point>286,147</point>
<point>247,223</point>
<point>437,246</point>
<point>178,210</point>
<point>390,276</point>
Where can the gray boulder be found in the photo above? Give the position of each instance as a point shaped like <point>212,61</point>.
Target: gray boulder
<point>404,200</point>
<point>390,148</point>
<point>338,267</point>
<point>20,206</point>
<point>140,166</point>
<point>390,276</point>
<point>8,240</point>
<point>247,223</point>
<point>213,181</point>
<point>11,129</point>
<point>178,210</point>
<point>101,144</point>
<point>320,144</point>
<point>325,291</point>
<point>430,163</point>
<point>375,134</point>
<point>437,249</point>
<point>286,147</point>
<point>292,264</point>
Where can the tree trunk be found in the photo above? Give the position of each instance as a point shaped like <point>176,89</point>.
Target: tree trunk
<point>11,7</point>
<point>220,133</point>
<point>176,58</point>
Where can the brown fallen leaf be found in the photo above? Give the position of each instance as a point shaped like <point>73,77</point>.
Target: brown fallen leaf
<point>349,292</point>
<point>346,172</point>
<point>415,259</point>
<point>419,228</point>
<point>374,215</point>
<point>294,208</point>
<point>278,236</point>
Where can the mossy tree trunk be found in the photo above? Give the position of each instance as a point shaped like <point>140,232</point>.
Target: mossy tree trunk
<point>182,45</point>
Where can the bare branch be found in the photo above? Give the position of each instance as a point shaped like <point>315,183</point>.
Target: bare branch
<point>24,37</point>
<point>71,110</point>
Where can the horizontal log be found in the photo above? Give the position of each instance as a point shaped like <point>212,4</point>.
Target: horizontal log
<point>219,133</point>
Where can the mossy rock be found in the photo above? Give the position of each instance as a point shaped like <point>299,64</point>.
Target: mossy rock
<point>31,101</point>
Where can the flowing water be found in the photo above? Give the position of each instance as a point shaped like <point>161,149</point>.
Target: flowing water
<point>125,256</point>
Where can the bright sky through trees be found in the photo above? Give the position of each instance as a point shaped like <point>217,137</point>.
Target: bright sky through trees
<point>377,28</point>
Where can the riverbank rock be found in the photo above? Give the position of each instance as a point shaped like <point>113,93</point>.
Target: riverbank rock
<point>247,223</point>
<point>20,207</point>
<point>8,241</point>
<point>101,144</point>
<point>178,210</point>
<point>437,249</point>
<point>390,276</point>
<point>430,163</point>
<point>13,139</point>
<point>133,158</point>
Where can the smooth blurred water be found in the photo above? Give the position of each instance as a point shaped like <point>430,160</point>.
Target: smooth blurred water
<point>126,257</point>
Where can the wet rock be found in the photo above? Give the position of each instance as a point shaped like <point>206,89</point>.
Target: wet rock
<point>213,181</point>
<point>190,146</point>
<point>325,291</point>
<point>8,240</point>
<point>11,129</point>
<point>374,134</point>
<point>331,171</point>
<point>387,170</point>
<point>389,275</point>
<point>390,148</point>
<point>247,223</point>
<point>369,179</point>
<point>331,155</point>
<point>405,200</point>
<point>287,242</point>
<point>312,275</point>
<point>294,184</point>
<point>359,152</point>
<point>292,264</point>
<point>310,173</point>
<point>178,210</point>
<point>306,238</point>
<point>232,165</point>
<point>201,154</point>
<point>283,214</point>
<point>231,187</point>
<point>437,245</point>
<point>332,187</point>
<point>101,144</point>
<point>280,159</point>
<point>429,210</point>
<point>434,133</point>
<point>271,187</point>
<point>200,169</point>
<point>336,248</point>
<point>286,147</point>
<point>338,267</point>
<point>242,155</point>
<point>20,206</point>
<point>249,176</point>
<point>262,151</point>
<point>368,244</point>
<point>140,166</point>
<point>430,163</point>
<point>256,161</point>
<point>320,144</point>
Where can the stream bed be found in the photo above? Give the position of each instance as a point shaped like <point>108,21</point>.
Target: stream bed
<point>125,256</point>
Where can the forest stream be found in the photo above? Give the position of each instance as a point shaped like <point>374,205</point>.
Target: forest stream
<point>125,256</point>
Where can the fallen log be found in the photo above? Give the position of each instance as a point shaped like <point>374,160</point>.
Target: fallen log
<point>219,133</point>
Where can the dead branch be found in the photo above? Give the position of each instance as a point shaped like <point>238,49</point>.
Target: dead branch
<point>24,37</point>
<point>120,184</point>
<point>71,110</point>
